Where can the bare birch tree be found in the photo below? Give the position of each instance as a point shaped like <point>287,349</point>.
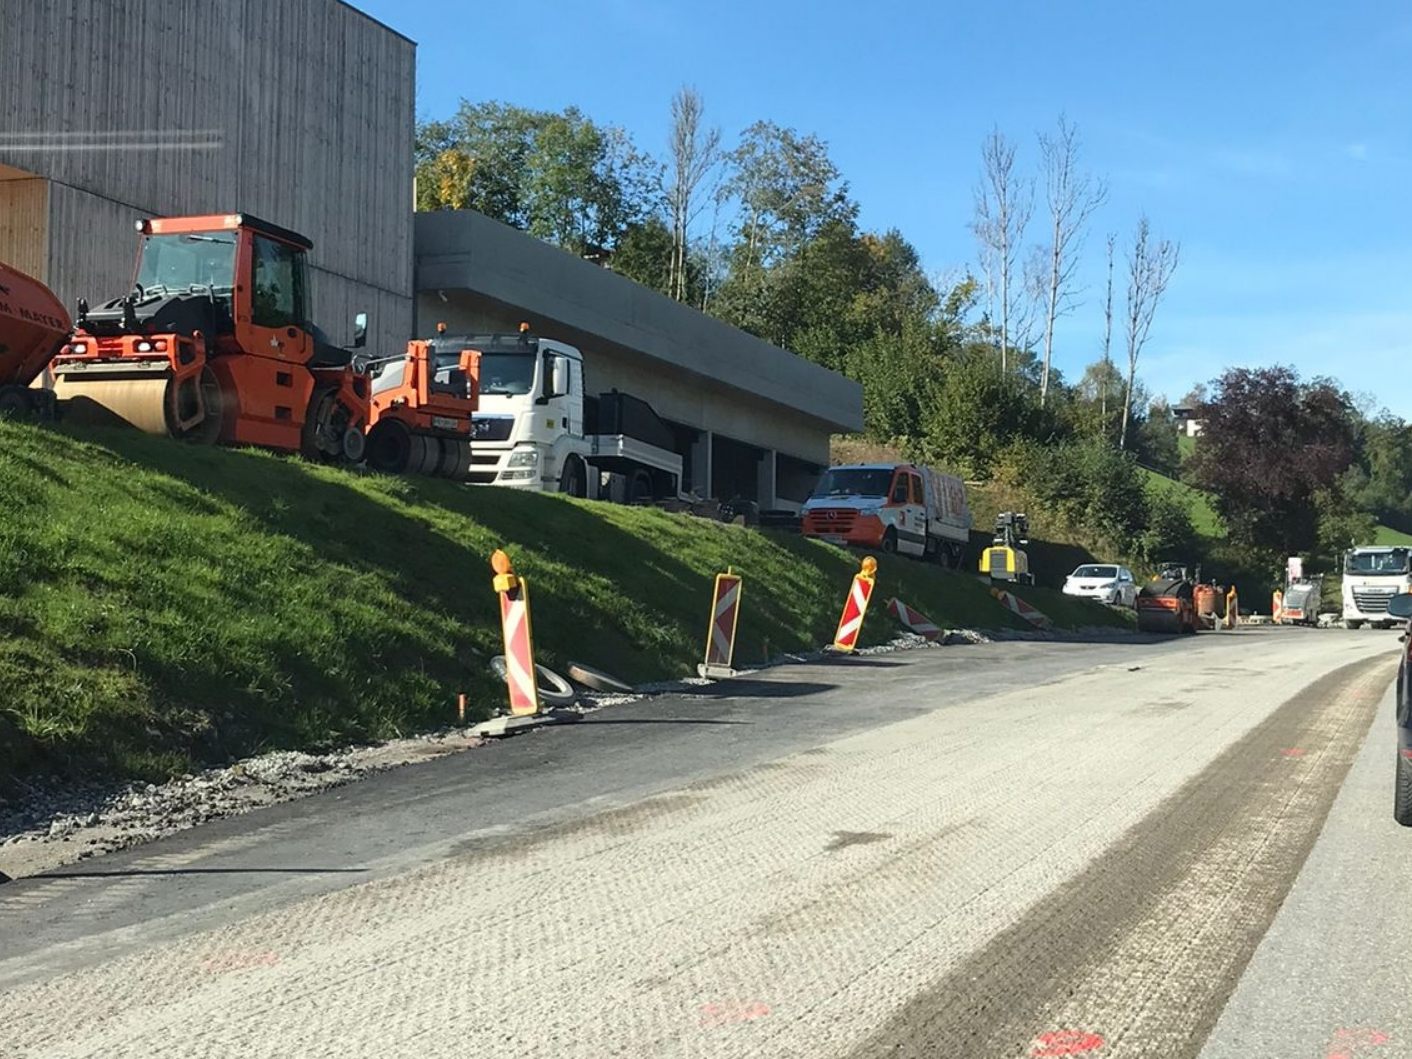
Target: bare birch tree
<point>1112,247</point>
<point>1072,195</point>
<point>695,152</point>
<point>1004,202</point>
<point>1151,263</point>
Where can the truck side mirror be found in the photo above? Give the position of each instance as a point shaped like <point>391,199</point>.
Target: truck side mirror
<point>360,330</point>
<point>558,377</point>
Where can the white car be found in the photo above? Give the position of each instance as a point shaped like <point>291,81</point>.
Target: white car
<point>1111,584</point>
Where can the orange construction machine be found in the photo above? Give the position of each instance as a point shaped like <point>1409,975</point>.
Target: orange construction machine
<point>33,327</point>
<point>214,344</point>
<point>422,408</point>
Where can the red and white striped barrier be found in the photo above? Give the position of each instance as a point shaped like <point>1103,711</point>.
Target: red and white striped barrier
<point>1016,605</point>
<point>855,608</point>
<point>913,620</point>
<point>519,642</point>
<point>720,633</point>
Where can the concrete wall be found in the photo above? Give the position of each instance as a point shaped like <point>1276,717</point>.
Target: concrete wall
<point>298,111</point>
<point>761,388</point>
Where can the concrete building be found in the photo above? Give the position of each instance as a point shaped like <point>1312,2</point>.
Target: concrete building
<point>751,419</point>
<point>301,112</point>
<point>298,111</point>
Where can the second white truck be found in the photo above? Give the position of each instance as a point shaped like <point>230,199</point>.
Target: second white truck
<point>1371,577</point>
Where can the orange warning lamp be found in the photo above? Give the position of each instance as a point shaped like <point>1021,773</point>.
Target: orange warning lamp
<point>505,579</point>
<point>524,328</point>
<point>869,566</point>
<point>441,327</point>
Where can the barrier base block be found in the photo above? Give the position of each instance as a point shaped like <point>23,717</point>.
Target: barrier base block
<point>714,672</point>
<point>500,727</point>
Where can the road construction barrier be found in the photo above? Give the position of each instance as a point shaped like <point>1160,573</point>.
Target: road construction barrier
<point>913,620</point>
<point>1277,605</point>
<point>855,607</point>
<point>1016,605</point>
<point>720,631</point>
<point>519,642</point>
<point>1232,608</point>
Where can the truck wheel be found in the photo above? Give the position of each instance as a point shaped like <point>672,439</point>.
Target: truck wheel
<point>573,481</point>
<point>640,488</point>
<point>1402,791</point>
<point>1353,625</point>
<point>889,541</point>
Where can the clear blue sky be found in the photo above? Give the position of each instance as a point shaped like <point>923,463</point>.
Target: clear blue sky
<point>1274,140</point>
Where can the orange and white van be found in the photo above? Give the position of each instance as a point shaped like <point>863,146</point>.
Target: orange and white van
<point>892,507</point>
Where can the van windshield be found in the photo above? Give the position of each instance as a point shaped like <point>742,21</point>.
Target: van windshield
<point>855,481</point>
<point>1392,561</point>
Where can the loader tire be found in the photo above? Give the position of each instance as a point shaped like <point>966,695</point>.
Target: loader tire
<point>389,447</point>
<point>554,690</point>
<point>597,680</point>
<point>14,402</point>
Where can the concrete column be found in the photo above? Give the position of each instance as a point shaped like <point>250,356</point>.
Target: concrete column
<point>701,464</point>
<point>765,480</point>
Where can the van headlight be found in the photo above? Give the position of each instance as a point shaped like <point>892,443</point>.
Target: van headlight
<point>524,458</point>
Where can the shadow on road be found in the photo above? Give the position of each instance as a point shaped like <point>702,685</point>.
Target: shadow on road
<point>660,720</point>
<point>757,689</point>
<point>133,872</point>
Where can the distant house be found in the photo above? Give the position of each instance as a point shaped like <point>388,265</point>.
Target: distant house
<point>1187,423</point>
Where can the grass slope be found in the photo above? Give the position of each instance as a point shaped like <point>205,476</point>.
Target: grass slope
<point>163,605</point>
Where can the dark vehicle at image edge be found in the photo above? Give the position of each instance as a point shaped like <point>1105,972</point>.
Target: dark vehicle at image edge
<point>1401,607</point>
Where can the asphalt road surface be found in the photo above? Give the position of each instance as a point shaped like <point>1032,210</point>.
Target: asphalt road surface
<point>1018,850</point>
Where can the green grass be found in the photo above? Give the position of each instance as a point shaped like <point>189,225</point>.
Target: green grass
<point>1388,535</point>
<point>1204,518</point>
<point>163,605</point>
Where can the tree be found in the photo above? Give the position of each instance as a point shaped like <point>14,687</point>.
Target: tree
<point>559,176</point>
<point>1157,439</point>
<point>1112,245</point>
<point>1003,203</point>
<point>644,254</point>
<point>1072,195</point>
<point>1269,444</point>
<point>695,152</point>
<point>1150,266</point>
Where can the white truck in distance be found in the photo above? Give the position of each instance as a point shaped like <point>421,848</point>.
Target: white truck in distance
<point>1371,577</point>
<point>536,429</point>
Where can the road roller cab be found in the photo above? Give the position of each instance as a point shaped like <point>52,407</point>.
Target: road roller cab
<point>214,344</point>
<point>422,408</point>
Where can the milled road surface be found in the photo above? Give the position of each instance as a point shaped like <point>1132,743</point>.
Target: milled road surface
<point>1019,850</point>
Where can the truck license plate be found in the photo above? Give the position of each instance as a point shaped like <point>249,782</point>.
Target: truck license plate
<point>445,423</point>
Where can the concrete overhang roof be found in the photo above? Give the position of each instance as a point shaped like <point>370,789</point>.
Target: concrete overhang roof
<point>461,250</point>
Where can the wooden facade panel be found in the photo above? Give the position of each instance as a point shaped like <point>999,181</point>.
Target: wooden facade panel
<point>24,225</point>
<point>300,111</point>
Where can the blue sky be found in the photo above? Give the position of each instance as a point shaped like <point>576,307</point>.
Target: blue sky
<point>1274,140</point>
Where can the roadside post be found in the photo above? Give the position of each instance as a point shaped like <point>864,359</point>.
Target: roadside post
<point>913,621</point>
<point>1277,605</point>
<point>1232,608</point>
<point>720,631</point>
<point>855,608</point>
<point>520,676</point>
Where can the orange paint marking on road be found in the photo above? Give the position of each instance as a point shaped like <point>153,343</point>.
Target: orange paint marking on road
<point>1065,1042</point>
<point>1293,751</point>
<point>1350,1043</point>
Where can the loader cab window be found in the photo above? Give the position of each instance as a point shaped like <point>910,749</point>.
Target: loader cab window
<point>172,264</point>
<point>279,285</point>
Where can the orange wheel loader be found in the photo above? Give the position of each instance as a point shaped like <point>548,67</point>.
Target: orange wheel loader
<point>214,344</point>
<point>422,407</point>
<point>33,328</point>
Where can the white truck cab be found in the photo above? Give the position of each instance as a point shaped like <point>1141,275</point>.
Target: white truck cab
<point>1371,577</point>
<point>535,428</point>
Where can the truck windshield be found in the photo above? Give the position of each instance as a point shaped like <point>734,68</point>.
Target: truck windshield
<point>507,374</point>
<point>1392,561</point>
<point>855,481</point>
<point>195,259</point>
